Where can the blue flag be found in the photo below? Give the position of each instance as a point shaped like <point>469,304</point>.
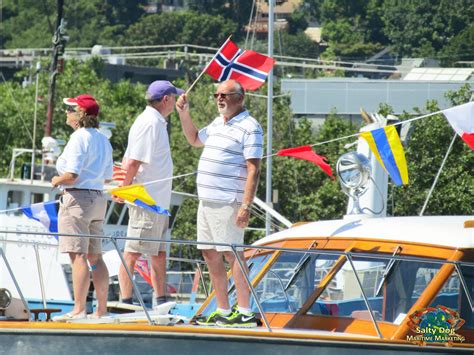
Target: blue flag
<point>45,213</point>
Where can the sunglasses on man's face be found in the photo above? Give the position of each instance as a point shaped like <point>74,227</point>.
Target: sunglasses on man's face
<point>70,109</point>
<point>224,95</point>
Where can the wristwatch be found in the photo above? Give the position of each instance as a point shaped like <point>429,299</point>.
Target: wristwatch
<point>245,206</point>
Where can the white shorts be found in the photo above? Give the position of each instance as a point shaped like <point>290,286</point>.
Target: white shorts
<point>216,224</point>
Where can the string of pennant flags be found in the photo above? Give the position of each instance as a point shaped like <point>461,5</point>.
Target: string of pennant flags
<point>384,143</point>
<point>251,69</point>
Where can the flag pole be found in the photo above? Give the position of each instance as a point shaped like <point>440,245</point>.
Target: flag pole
<point>268,187</point>
<point>207,66</point>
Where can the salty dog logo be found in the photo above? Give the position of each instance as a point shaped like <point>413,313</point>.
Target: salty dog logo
<point>435,325</point>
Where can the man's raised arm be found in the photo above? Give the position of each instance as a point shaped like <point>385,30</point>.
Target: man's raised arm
<point>189,129</point>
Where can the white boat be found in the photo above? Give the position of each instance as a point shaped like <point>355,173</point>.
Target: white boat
<point>40,270</point>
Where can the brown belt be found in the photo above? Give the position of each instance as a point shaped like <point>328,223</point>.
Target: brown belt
<point>74,189</point>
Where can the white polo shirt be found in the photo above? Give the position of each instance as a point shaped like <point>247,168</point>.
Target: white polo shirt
<point>88,154</point>
<point>222,169</point>
<point>148,142</point>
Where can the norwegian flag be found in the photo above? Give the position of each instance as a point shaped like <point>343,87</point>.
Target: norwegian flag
<point>249,68</point>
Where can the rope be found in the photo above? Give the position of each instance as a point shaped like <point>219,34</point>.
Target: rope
<point>359,133</point>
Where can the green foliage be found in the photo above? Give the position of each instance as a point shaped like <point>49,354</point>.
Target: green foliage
<point>352,27</point>
<point>298,45</point>
<point>420,28</point>
<point>425,151</point>
<point>345,40</point>
<point>459,48</point>
<point>297,22</point>
<point>30,23</point>
<point>179,27</point>
<point>237,11</point>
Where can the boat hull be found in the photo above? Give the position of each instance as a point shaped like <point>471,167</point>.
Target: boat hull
<point>53,341</point>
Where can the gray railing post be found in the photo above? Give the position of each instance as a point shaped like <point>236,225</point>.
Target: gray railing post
<point>201,276</point>
<point>464,286</point>
<point>40,275</point>
<point>130,276</point>
<point>252,290</point>
<point>366,300</point>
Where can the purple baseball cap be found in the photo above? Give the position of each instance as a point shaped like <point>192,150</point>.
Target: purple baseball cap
<point>160,88</point>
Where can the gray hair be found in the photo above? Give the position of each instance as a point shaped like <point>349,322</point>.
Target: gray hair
<point>238,87</point>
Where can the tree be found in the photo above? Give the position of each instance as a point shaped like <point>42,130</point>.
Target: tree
<point>179,27</point>
<point>236,11</point>
<point>29,23</point>
<point>350,27</point>
<point>297,22</point>
<point>421,28</point>
<point>346,41</point>
<point>425,151</point>
<point>459,48</point>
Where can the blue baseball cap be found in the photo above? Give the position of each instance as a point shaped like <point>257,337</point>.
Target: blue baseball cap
<point>160,88</point>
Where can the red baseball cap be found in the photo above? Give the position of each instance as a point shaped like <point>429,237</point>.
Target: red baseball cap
<point>84,101</point>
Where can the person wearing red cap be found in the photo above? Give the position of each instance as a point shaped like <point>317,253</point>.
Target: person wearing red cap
<point>83,167</point>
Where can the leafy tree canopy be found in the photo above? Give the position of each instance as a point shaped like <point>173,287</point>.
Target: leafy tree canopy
<point>31,23</point>
<point>180,27</point>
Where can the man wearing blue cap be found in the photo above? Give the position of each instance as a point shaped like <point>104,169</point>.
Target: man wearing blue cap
<point>148,158</point>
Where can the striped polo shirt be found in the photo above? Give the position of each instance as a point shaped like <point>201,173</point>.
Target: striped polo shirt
<point>222,170</point>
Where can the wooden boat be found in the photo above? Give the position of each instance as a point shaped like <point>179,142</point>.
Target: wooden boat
<point>360,284</point>
<point>341,286</point>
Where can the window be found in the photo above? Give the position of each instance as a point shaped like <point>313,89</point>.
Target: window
<point>15,200</point>
<point>453,295</point>
<point>36,198</point>
<point>391,288</point>
<point>291,280</point>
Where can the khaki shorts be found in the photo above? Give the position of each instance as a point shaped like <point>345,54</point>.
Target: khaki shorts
<point>145,224</point>
<point>216,224</point>
<point>81,212</point>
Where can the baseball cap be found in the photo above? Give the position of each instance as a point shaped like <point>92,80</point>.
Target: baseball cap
<point>84,101</point>
<point>160,88</point>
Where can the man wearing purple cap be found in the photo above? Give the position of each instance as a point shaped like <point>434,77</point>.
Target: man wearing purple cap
<point>148,158</point>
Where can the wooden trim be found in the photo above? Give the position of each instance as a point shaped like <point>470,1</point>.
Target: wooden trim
<point>368,245</point>
<point>345,325</point>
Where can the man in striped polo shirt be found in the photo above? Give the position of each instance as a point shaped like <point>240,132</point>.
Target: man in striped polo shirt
<point>227,180</point>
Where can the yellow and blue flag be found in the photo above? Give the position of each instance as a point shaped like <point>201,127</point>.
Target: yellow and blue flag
<point>387,147</point>
<point>138,195</point>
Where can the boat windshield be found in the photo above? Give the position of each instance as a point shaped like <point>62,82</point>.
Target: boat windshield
<point>389,297</point>
<point>290,280</point>
<point>390,287</point>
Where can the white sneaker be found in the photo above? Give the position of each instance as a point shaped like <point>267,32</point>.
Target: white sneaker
<point>164,308</point>
<point>69,316</point>
<point>95,316</point>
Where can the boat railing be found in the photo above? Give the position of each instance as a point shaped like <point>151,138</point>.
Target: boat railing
<point>235,248</point>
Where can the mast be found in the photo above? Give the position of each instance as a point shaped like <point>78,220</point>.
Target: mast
<point>268,194</point>
<point>59,42</point>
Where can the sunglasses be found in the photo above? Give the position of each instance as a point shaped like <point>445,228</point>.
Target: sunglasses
<point>70,109</point>
<point>216,96</point>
